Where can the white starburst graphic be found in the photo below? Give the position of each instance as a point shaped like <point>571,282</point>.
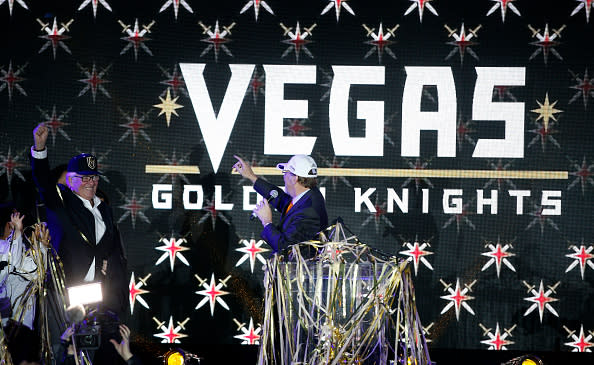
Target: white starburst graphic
<point>10,80</point>
<point>256,4</point>
<point>496,340</point>
<point>94,81</point>
<point>9,165</point>
<point>252,250</point>
<point>541,299</point>
<point>94,4</point>
<point>55,36</point>
<point>377,215</point>
<point>583,173</point>
<point>503,5</point>
<point>213,213</point>
<point>337,5</point>
<point>134,126</point>
<point>55,123</point>
<point>457,297</point>
<point>421,5</point>
<point>587,5</point>
<point>172,248</point>
<point>175,4</point>
<point>582,256</point>
<point>134,208</point>
<point>135,291</point>
<point>416,253</point>
<point>249,335</point>
<point>136,37</point>
<point>11,4</point>
<point>541,219</point>
<point>171,333</point>
<point>212,293</point>
<point>581,342</point>
<point>498,255</point>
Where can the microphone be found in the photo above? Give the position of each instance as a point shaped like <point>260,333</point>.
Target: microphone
<point>273,194</point>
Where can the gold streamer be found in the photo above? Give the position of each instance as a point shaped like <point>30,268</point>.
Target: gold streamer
<point>348,305</point>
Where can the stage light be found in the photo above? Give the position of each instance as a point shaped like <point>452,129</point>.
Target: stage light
<point>531,360</point>
<point>85,294</point>
<point>173,357</point>
<point>180,357</point>
<point>525,360</point>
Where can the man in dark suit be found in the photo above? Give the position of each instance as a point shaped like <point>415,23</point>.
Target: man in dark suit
<point>90,247</point>
<point>302,207</point>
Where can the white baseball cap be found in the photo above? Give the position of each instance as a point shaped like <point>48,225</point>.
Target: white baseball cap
<point>300,165</point>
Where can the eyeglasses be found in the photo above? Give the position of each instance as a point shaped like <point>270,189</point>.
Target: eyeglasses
<point>88,178</point>
<point>285,171</point>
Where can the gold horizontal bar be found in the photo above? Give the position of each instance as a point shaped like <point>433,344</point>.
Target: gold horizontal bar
<point>433,173</point>
<point>420,173</point>
<point>169,169</point>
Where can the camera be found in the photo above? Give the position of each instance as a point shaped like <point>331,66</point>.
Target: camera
<point>88,337</point>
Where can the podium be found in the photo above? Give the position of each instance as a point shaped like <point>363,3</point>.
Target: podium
<point>348,305</point>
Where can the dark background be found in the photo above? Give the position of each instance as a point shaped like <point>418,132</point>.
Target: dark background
<point>135,84</point>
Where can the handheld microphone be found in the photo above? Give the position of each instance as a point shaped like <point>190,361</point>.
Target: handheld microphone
<point>273,194</point>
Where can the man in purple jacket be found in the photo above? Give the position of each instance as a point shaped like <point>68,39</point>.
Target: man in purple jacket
<point>302,206</point>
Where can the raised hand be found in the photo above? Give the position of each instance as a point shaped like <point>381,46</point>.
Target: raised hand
<point>244,169</point>
<point>40,134</point>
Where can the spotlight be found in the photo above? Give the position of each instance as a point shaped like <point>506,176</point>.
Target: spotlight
<point>180,357</point>
<point>85,294</point>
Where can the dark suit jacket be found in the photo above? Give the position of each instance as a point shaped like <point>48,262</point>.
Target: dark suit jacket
<point>301,223</point>
<point>75,225</point>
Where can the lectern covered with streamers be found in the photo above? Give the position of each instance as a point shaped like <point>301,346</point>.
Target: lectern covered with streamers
<point>349,304</point>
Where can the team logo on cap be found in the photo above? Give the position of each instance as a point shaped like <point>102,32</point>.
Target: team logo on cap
<point>91,162</point>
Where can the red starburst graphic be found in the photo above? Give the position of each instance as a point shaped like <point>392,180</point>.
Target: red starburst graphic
<point>216,39</point>
<point>416,253</point>
<point>134,208</point>
<point>498,254</point>
<point>94,4</point>
<point>176,4</point>
<point>503,5</point>
<point>136,38</point>
<point>256,4</point>
<point>587,5</point>
<point>249,335</point>
<point>541,299</point>
<point>421,5</point>
<point>457,297</point>
<point>135,291</point>
<point>462,41</point>
<point>497,340</point>
<point>10,80</point>
<point>581,342</point>
<point>252,250</point>
<point>9,165</point>
<point>171,333</point>
<point>582,256</point>
<point>134,126</point>
<point>337,5</point>
<point>377,214</point>
<point>174,81</point>
<point>55,36</point>
<point>94,81</point>
<point>583,174</point>
<point>55,122</point>
<point>172,248</point>
<point>584,86</point>
<point>212,293</point>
